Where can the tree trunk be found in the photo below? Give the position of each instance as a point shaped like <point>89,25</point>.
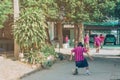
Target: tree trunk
<point>16,15</point>
<point>78,35</point>
<point>75,35</point>
<point>81,31</point>
<point>60,34</point>
<point>48,36</point>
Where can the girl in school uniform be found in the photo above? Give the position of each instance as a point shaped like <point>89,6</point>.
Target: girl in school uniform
<point>86,41</point>
<point>97,43</point>
<point>80,61</point>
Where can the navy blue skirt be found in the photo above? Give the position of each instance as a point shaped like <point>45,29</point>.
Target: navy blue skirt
<point>81,64</point>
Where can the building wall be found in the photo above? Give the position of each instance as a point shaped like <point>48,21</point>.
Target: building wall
<point>51,30</point>
<point>6,35</point>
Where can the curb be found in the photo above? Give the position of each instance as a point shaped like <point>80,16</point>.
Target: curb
<point>27,74</point>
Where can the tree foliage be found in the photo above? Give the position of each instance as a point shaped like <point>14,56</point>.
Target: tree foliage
<point>74,10</point>
<point>5,9</point>
<point>86,10</point>
<point>30,29</point>
<point>48,7</point>
<point>33,15</point>
<point>117,9</point>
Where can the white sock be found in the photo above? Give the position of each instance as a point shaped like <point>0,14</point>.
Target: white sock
<point>76,67</point>
<point>87,71</point>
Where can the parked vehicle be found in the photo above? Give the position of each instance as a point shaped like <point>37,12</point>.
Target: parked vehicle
<point>110,38</point>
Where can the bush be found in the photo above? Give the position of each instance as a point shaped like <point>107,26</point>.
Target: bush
<point>48,50</point>
<point>45,56</point>
<point>50,54</point>
<point>34,57</point>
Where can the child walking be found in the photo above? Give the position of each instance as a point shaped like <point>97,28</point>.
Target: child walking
<point>86,41</point>
<point>102,40</point>
<point>80,61</point>
<point>97,43</point>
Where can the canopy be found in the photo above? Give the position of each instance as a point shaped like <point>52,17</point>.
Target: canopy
<point>110,23</point>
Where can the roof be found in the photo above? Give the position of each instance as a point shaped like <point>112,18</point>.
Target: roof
<point>110,23</point>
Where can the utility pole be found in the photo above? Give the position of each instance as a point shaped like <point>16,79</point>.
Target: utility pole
<point>16,16</point>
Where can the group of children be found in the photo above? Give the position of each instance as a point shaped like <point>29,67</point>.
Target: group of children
<point>80,61</point>
<point>98,42</point>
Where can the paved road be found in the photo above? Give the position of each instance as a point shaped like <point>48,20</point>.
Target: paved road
<point>104,51</point>
<point>101,69</point>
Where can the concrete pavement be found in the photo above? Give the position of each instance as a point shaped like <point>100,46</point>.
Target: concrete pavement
<point>106,66</point>
<point>13,69</point>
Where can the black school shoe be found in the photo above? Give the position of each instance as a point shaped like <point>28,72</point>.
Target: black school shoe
<point>75,72</point>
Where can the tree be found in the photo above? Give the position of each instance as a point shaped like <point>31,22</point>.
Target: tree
<point>44,6</point>
<point>117,9</point>
<point>79,11</point>
<point>30,32</point>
